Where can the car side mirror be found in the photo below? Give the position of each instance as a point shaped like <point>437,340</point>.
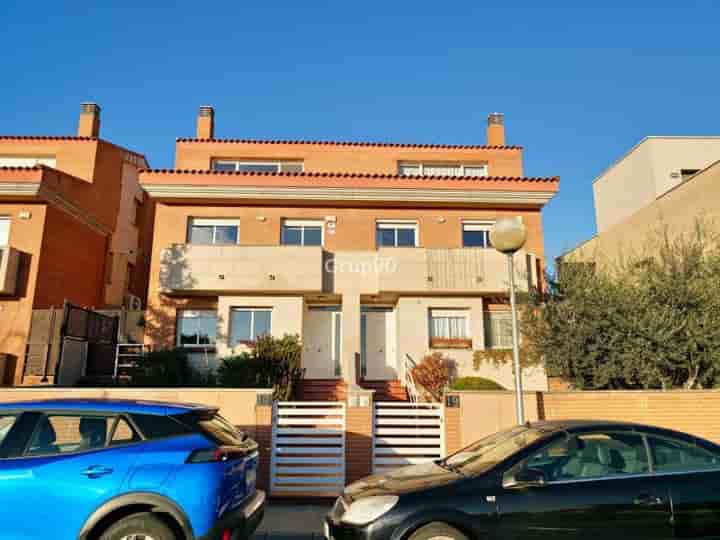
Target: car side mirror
<point>525,478</point>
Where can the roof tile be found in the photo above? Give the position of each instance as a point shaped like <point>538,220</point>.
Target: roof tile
<point>351,143</point>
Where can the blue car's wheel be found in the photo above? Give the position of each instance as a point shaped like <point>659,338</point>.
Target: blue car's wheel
<point>145,526</point>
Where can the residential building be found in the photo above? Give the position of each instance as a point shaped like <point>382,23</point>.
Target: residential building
<point>75,227</point>
<point>661,184</point>
<point>373,253</point>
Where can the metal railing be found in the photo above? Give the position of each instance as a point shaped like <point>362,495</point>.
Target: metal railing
<point>409,381</point>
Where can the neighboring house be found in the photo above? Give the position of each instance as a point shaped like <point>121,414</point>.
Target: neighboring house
<point>663,183</point>
<point>371,252</point>
<point>74,226</point>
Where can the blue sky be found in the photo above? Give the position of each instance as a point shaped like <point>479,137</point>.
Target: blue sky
<point>579,82</point>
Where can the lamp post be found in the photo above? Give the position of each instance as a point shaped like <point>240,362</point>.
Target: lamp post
<point>508,235</point>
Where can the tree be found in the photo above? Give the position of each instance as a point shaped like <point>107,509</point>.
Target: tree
<point>651,321</point>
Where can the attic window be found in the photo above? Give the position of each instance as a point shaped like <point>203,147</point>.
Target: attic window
<point>231,165</point>
<point>442,169</point>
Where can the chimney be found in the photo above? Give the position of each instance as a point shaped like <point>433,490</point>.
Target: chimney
<point>205,123</point>
<point>496,129</point>
<point>89,124</point>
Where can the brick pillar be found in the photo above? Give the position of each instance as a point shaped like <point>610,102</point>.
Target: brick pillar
<point>453,427</point>
<point>263,436</point>
<point>358,435</point>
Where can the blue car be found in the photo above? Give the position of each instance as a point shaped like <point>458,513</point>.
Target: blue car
<point>96,469</point>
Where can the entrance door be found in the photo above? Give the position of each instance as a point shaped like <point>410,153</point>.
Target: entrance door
<point>322,337</point>
<point>378,348</point>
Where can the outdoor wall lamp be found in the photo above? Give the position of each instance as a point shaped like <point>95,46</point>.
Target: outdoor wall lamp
<point>508,236</point>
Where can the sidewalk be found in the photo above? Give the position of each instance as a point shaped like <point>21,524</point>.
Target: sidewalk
<point>293,521</point>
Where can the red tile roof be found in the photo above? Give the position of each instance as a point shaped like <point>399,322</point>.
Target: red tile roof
<point>350,143</point>
<point>69,138</point>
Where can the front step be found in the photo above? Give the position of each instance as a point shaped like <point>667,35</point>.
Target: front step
<point>386,390</point>
<point>322,390</point>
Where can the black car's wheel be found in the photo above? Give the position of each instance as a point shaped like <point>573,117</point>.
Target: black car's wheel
<point>437,531</point>
<point>145,526</point>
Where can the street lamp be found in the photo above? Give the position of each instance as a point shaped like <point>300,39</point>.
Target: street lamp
<point>508,235</point>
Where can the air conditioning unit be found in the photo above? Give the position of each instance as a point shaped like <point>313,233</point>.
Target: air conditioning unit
<point>133,302</point>
<point>9,265</point>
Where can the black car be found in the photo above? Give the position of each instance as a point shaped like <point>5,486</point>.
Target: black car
<point>565,479</point>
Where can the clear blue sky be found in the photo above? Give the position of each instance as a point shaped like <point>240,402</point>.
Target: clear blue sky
<point>579,85</point>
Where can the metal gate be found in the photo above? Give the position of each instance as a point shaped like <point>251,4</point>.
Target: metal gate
<point>308,449</point>
<point>407,434</point>
<point>90,334</point>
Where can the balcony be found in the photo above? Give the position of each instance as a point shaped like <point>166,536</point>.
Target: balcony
<point>199,269</point>
<point>9,264</point>
<point>418,270</point>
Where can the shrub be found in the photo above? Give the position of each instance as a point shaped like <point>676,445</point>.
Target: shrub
<point>433,374</point>
<point>162,368</point>
<point>475,383</point>
<point>280,361</point>
<point>243,371</point>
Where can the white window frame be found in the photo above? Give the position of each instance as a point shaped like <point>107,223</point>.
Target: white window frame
<point>450,313</point>
<point>277,163</point>
<point>304,223</point>
<point>4,242</point>
<point>213,222</point>
<point>396,224</point>
<point>487,323</point>
<point>27,161</point>
<point>253,311</point>
<point>462,167</point>
<point>478,225</point>
<point>195,314</point>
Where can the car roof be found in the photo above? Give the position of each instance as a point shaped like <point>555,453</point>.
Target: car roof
<point>571,425</point>
<point>106,405</point>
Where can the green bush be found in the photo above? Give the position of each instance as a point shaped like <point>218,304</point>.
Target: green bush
<point>475,383</point>
<point>163,368</point>
<point>243,371</point>
<point>280,361</point>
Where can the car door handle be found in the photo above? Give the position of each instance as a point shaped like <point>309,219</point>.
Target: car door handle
<point>96,471</point>
<point>648,500</point>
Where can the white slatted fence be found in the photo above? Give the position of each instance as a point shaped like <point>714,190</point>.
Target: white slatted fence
<point>308,449</point>
<point>407,434</point>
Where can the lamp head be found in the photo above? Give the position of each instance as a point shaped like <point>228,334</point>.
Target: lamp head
<point>508,235</point>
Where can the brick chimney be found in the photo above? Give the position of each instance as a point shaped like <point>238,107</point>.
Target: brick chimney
<point>205,123</point>
<point>89,124</point>
<point>496,129</point>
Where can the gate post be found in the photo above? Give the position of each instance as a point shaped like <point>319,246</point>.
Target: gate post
<point>359,434</point>
<point>263,437</point>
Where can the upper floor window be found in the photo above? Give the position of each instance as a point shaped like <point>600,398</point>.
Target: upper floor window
<point>443,169</point>
<point>213,231</point>
<point>302,232</point>
<point>4,230</point>
<point>257,166</point>
<point>397,234</point>
<point>196,328</point>
<point>476,234</point>
<point>27,161</point>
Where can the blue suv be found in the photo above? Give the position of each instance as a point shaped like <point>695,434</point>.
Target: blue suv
<point>125,470</point>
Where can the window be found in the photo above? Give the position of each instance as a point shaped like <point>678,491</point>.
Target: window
<point>397,234</point>
<point>6,424</point>
<point>123,433</point>
<point>27,161</point>
<point>498,330</point>
<point>213,231</point>
<point>159,427</point>
<point>4,231</point>
<point>196,328</point>
<point>442,169</point>
<point>476,234</point>
<point>215,426</point>
<point>297,232</point>
<point>60,434</point>
<point>674,455</point>
<point>590,455</point>
<point>247,324</point>
<point>685,174</point>
<point>450,328</point>
<point>258,166</point>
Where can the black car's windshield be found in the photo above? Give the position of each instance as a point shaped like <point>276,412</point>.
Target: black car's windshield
<point>487,452</point>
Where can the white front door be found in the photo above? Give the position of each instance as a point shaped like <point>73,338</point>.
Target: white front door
<point>321,343</point>
<point>378,346</point>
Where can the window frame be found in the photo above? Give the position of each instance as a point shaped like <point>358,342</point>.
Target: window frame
<point>252,310</point>
<point>396,225</point>
<point>214,223</point>
<point>237,163</point>
<point>473,225</point>
<point>461,165</point>
<point>180,313</point>
<point>303,224</point>
<point>487,326</point>
<point>3,219</point>
<point>447,342</point>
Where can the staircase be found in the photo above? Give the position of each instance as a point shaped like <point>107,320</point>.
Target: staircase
<point>386,390</point>
<point>322,390</point>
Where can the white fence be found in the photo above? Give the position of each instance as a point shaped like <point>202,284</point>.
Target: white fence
<point>406,434</point>
<point>308,448</point>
